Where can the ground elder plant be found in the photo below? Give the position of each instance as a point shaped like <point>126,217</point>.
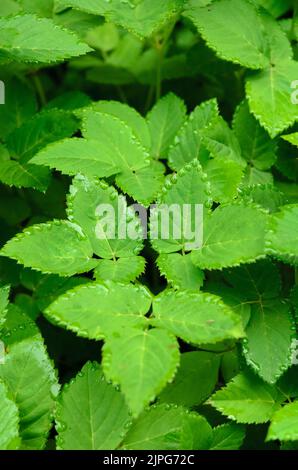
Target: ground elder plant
<point>115,332</point>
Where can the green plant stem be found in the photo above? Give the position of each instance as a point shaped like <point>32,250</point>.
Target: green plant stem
<point>40,89</point>
<point>160,52</point>
<point>149,99</point>
<point>161,46</point>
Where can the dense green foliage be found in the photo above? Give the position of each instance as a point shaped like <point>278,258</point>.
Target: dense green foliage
<point>133,343</point>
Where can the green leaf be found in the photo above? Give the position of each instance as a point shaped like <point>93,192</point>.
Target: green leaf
<point>24,175</point>
<point>292,138</point>
<point>233,234</point>
<point>9,421</point>
<point>9,7</point>
<point>143,185</point>
<point>222,143</point>
<point>41,130</point>
<point>233,29</point>
<point>105,218</point>
<point>188,141</point>
<point>269,96</point>
<point>128,115</point>
<point>44,7</point>
<point>89,6</point>
<point>288,382</point>
<point>141,362</point>
<point>276,7</point>
<point>50,287</point>
<point>142,18</point>
<point>28,38</point>
<point>76,155</point>
<point>256,146</point>
<point>69,101</point>
<point>287,162</point>
<point>4,293</point>
<point>28,305</point>
<point>120,270</point>
<point>180,271</point>
<point>267,347</point>
<point>116,138</point>
<point>195,379</point>
<point>247,399</point>
<point>100,421</point>
<point>254,176</point>
<point>20,105</point>
<point>196,317</point>
<point>97,310</point>
<point>232,298</point>
<point>227,437</point>
<point>183,192</point>
<point>104,37</point>
<point>31,381</point>
<point>57,247</point>
<point>224,177</point>
<point>164,121</point>
<point>284,424</point>
<point>282,238</point>
<point>18,327</point>
<point>255,282</point>
<point>164,427</point>
<point>265,195</point>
